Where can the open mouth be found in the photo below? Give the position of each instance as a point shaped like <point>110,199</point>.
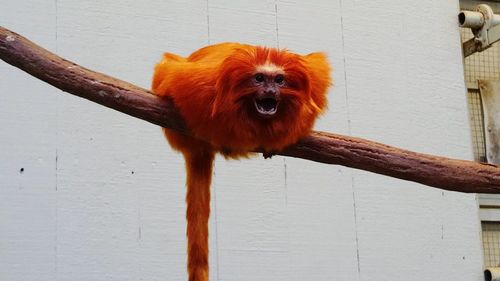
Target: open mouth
<point>266,106</point>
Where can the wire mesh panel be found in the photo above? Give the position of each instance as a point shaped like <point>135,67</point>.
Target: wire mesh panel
<point>491,243</point>
<point>477,125</point>
<point>485,66</point>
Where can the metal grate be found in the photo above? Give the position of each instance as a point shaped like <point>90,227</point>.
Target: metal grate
<point>491,243</point>
<point>479,66</point>
<point>477,127</point>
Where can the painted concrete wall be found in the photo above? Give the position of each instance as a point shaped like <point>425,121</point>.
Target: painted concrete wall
<point>88,193</point>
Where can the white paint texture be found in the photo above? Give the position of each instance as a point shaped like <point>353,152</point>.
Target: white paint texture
<point>101,194</point>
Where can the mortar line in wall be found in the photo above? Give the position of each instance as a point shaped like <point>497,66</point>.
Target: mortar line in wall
<point>353,188</point>
<point>355,225</point>
<point>276,20</point>
<point>56,215</point>
<point>286,182</point>
<point>216,224</point>
<point>56,23</point>
<point>208,22</point>
<point>345,66</point>
<point>285,168</point>
<point>56,207</point>
<point>214,173</point>
<point>278,45</point>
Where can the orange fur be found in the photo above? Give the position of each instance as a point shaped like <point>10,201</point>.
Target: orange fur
<point>211,92</point>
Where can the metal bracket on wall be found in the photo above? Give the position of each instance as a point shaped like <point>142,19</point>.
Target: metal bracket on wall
<point>485,26</point>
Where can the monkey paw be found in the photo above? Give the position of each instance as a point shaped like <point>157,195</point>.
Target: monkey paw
<point>268,154</point>
<point>226,151</point>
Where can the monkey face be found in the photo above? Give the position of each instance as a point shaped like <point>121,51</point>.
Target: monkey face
<point>266,84</point>
<point>263,96</point>
<point>267,81</point>
<point>275,91</point>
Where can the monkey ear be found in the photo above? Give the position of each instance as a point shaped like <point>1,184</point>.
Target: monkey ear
<point>319,74</point>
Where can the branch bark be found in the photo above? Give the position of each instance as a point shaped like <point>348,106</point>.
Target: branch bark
<point>435,171</point>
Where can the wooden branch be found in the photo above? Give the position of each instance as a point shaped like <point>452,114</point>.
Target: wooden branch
<point>435,171</point>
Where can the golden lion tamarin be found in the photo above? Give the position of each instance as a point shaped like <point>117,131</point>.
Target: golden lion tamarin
<point>235,99</point>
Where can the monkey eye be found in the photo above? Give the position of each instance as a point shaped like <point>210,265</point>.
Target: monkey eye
<point>259,77</point>
<point>279,79</point>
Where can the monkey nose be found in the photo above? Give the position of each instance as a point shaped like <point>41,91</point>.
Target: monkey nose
<point>270,92</point>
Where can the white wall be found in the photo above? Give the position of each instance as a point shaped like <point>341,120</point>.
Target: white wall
<point>101,194</point>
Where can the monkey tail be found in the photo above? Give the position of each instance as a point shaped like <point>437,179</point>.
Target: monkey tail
<point>199,165</point>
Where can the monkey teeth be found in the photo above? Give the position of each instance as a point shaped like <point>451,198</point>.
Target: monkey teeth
<point>266,106</point>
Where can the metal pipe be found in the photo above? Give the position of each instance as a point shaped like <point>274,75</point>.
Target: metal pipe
<point>492,274</point>
<point>475,20</point>
<point>470,19</point>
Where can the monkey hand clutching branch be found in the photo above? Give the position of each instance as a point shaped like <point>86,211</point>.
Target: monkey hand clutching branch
<point>235,99</point>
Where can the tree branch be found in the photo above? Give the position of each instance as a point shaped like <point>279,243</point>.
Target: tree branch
<point>435,171</point>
